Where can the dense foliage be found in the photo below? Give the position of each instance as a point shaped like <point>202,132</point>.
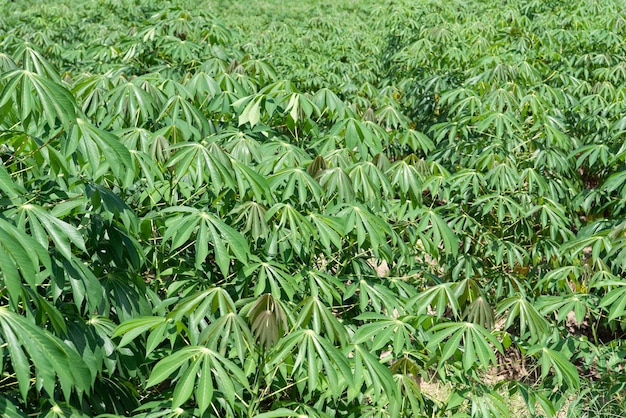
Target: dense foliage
<point>274,209</point>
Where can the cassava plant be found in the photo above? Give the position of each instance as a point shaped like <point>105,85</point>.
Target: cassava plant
<point>355,209</point>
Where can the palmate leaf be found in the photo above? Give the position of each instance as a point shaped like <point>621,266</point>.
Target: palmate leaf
<point>241,146</point>
<point>556,361</point>
<point>436,232</point>
<point>359,136</point>
<point>36,96</point>
<point>268,320</point>
<point>578,303</point>
<point>499,205</point>
<point>328,102</point>
<point>44,226</point>
<point>367,226</point>
<point>252,215</point>
<point>499,123</point>
<point>146,169</point>
<point>200,164</point>
<point>533,398</point>
<point>203,87</point>
<point>518,307</point>
<point>131,102</point>
<point>197,308</point>
<point>417,141</point>
<point>207,317</point>
<point>381,331</point>
<point>32,60</point>
<point>85,286</point>
<point>600,243</point>
<point>322,284</point>
<point>291,180</point>
<point>296,229</point>
<point>262,70</point>
<point>534,181</point>
<point>375,295</point>
<point>131,329</point>
<point>280,155</point>
<point>90,92</point>
<point>336,181</point>
<point>369,182</point>
<point>99,149</point>
<point>487,402</point>
<point>314,314</point>
<point>553,215</point>
<point>369,371</point>
<point>208,230</point>
<point>406,178</point>
<point>466,181</point>
<point>200,372</point>
<point>502,174</point>
<point>476,343</point>
<point>249,109</point>
<point>109,206</point>
<point>390,117</point>
<point>306,353</point>
<point>506,252</point>
<point>271,277</point>
<point>7,185</point>
<point>330,230</point>
<point>125,293</point>
<point>410,394</point>
<point>615,299</point>
<point>439,297</point>
<point>230,336</point>
<point>53,359</point>
<point>180,112</point>
<point>561,278</point>
<point>249,180</point>
<point>21,260</point>
<point>300,107</point>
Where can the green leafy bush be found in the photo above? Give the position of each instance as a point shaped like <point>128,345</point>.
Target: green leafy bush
<point>246,209</point>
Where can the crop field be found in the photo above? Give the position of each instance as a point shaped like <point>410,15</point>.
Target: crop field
<point>398,208</point>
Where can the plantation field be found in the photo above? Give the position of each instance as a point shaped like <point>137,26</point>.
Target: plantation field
<point>286,208</point>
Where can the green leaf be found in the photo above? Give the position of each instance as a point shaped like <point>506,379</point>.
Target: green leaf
<point>6,183</point>
<point>61,233</point>
<point>268,320</point>
<point>566,373</point>
<point>383,331</point>
<point>277,413</point>
<point>175,361</point>
<point>477,348</point>
<point>526,313</point>
<point>132,328</point>
<point>37,96</point>
<point>10,409</point>
<point>99,149</point>
<point>21,258</point>
<point>369,371</point>
<point>317,316</point>
<point>52,358</point>
<point>439,297</point>
<point>251,113</point>
<point>185,386</point>
<point>312,354</point>
<point>435,231</point>
<point>210,230</point>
